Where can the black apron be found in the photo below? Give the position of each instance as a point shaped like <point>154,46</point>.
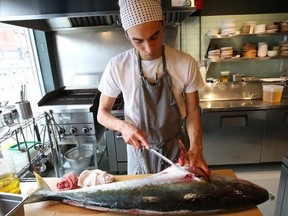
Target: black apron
<point>160,120</point>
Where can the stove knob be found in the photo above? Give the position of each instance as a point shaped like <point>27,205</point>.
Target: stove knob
<point>85,130</point>
<point>73,130</point>
<point>62,132</point>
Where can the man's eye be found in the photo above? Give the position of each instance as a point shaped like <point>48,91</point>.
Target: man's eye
<point>154,37</point>
<point>138,41</point>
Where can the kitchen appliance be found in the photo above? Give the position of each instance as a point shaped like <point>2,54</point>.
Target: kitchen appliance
<point>55,15</point>
<point>75,117</point>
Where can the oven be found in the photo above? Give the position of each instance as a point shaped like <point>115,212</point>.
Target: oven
<point>74,113</point>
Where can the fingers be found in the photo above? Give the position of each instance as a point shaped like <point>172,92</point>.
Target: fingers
<point>197,162</point>
<point>132,135</point>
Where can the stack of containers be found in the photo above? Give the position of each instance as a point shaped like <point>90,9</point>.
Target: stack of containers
<point>228,27</point>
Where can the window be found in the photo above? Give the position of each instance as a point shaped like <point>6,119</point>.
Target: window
<point>18,65</point>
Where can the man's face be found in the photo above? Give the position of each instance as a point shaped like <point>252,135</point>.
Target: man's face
<point>147,39</point>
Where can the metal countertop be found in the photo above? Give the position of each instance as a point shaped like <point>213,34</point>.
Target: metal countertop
<point>233,105</point>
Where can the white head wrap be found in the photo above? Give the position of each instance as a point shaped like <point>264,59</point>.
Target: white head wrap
<point>135,12</point>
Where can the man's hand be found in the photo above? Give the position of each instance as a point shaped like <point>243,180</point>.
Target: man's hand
<point>197,162</point>
<point>132,135</point>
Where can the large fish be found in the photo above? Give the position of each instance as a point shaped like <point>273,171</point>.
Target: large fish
<point>171,191</point>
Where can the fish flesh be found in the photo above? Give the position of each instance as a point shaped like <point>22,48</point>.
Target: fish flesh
<point>171,191</point>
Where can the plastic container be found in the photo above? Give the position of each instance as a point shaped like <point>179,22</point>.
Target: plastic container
<point>224,76</point>
<point>9,181</point>
<point>272,93</point>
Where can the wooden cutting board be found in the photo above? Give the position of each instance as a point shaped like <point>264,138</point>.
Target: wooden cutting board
<point>51,208</point>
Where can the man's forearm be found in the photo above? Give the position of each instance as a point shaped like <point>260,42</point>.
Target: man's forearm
<point>109,121</point>
<point>194,129</point>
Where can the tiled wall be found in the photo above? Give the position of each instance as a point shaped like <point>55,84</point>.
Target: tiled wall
<point>196,43</point>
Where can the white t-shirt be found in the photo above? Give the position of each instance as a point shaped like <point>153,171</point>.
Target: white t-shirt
<point>122,75</point>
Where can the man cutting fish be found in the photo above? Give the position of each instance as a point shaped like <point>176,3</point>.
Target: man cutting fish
<point>160,87</point>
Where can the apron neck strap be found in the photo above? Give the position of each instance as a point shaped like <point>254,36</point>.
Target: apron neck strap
<point>163,62</point>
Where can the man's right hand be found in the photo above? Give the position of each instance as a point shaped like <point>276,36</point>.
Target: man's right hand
<point>132,135</point>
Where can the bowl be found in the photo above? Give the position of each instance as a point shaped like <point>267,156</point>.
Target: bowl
<point>79,157</point>
<point>272,53</point>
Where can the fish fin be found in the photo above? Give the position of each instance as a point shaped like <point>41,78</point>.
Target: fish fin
<point>39,192</point>
<point>42,185</point>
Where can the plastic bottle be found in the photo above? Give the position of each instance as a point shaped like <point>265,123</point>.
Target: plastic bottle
<point>9,181</point>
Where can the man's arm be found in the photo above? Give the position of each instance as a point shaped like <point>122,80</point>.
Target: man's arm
<point>194,130</point>
<point>130,133</point>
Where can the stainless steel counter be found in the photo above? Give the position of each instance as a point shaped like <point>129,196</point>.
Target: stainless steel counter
<point>245,104</point>
<point>239,127</point>
<point>238,96</point>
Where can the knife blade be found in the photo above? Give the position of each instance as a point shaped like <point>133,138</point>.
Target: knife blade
<point>167,160</point>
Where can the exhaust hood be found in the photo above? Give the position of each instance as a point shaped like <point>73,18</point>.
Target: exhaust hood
<point>54,15</point>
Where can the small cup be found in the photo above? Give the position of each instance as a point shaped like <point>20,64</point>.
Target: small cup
<point>24,110</point>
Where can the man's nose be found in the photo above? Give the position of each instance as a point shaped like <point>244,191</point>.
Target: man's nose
<point>149,47</point>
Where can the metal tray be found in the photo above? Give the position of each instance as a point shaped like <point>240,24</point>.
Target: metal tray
<point>12,204</point>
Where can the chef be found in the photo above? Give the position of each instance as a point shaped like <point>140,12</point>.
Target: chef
<point>160,87</point>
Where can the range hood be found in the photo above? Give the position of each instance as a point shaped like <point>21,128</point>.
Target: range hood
<point>54,15</point>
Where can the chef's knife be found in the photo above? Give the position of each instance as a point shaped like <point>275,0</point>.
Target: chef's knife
<point>167,160</point>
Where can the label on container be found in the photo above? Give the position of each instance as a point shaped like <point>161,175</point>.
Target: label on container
<point>182,3</point>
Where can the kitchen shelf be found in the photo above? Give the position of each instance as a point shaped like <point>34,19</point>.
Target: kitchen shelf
<point>219,36</point>
<point>249,59</point>
<point>245,65</point>
<point>39,148</point>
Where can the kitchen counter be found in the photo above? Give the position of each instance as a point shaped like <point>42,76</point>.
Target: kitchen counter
<point>50,208</point>
<point>245,104</point>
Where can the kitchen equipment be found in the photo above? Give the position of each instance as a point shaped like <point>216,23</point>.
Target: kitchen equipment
<point>38,168</point>
<point>12,204</point>
<point>74,114</point>
<point>272,53</point>
<point>237,77</point>
<point>58,16</point>
<point>167,160</point>
<point>272,93</point>
<point>79,157</point>
<point>7,117</point>
<point>24,110</point>
<point>9,181</point>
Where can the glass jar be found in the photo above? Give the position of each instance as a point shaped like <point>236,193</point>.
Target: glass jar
<point>9,181</point>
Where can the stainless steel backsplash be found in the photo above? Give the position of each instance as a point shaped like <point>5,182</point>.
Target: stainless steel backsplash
<point>82,54</point>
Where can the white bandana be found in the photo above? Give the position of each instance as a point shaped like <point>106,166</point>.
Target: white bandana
<point>135,12</point>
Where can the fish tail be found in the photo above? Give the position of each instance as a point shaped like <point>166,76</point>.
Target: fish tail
<point>41,192</point>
